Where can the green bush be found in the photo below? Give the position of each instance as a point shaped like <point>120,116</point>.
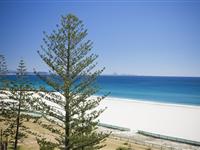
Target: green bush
<point>46,145</point>
<point>123,148</point>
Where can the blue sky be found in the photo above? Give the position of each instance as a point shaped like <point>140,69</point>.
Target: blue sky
<point>131,37</point>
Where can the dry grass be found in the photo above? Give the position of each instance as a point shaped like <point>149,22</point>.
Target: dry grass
<point>30,142</point>
<point>113,144</point>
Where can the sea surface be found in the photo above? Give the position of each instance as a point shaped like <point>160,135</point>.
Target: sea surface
<point>176,90</point>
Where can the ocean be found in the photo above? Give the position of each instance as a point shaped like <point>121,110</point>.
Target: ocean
<point>175,90</point>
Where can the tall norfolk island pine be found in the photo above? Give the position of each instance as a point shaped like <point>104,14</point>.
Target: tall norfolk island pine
<point>69,57</point>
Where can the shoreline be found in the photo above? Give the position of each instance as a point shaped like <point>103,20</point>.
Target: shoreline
<point>151,102</point>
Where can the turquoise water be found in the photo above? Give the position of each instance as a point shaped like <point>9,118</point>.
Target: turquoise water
<point>178,90</point>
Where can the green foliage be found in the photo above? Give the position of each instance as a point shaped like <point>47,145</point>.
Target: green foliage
<point>3,141</point>
<point>123,148</point>
<point>3,72</point>
<point>18,102</point>
<point>72,77</point>
<point>45,144</point>
<point>3,66</point>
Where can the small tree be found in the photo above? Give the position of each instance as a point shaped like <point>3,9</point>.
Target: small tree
<point>3,104</point>
<point>72,79</point>
<point>3,71</point>
<point>20,102</point>
<point>3,66</point>
<point>45,145</point>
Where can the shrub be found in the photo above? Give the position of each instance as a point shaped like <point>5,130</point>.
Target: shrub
<point>123,148</point>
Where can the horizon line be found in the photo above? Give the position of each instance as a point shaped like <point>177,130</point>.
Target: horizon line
<point>114,74</point>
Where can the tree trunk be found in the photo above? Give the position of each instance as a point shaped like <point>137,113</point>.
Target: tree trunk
<point>18,117</point>
<point>67,97</point>
<point>6,143</point>
<point>1,139</point>
<point>67,124</point>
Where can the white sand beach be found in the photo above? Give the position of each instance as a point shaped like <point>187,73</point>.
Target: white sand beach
<point>180,121</point>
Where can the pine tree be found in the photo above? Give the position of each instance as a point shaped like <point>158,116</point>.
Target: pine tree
<point>3,66</point>
<point>3,71</point>
<point>20,102</point>
<point>73,80</point>
<point>19,96</point>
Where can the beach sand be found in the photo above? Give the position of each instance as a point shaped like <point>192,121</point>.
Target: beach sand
<point>180,121</point>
